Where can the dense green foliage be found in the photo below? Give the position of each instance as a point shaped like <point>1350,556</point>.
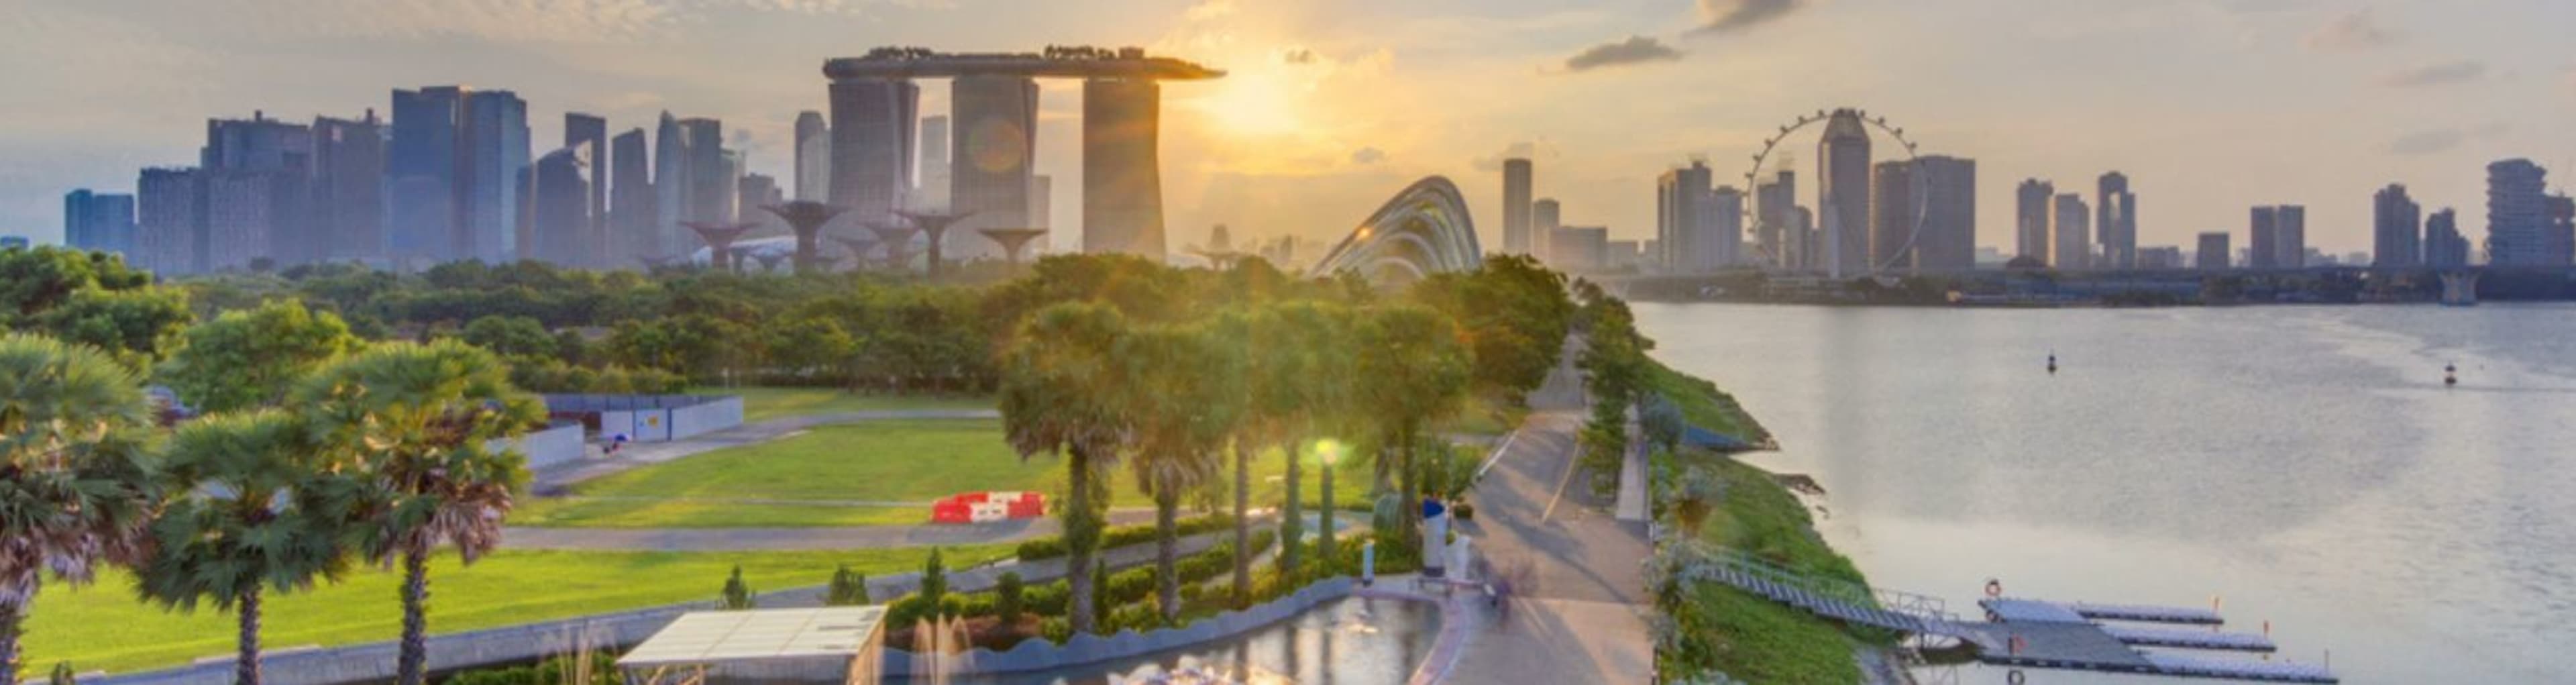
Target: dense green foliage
<point>90,298</point>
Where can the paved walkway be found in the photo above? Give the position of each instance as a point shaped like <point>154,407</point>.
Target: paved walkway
<point>557,477</point>
<point>782,539</point>
<point>1580,602</point>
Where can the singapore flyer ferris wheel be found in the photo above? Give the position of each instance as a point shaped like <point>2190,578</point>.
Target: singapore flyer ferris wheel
<point>1784,246</point>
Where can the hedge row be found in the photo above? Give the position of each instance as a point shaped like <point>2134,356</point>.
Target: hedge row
<point>1121,536</point>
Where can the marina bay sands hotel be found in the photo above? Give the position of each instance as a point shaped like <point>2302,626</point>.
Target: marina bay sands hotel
<point>993,141</point>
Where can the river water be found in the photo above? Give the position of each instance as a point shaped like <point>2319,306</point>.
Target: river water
<point>2304,466</point>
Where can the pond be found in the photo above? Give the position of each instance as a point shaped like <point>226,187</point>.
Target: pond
<point>1349,641</point>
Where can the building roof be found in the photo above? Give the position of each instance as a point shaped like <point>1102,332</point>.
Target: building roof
<point>716,637</point>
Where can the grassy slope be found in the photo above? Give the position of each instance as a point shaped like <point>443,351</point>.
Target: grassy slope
<point>762,403</point>
<point>104,627</point>
<point>888,461</point>
<point>1754,639</point>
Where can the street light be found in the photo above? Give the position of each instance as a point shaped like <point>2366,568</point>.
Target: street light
<point>1328,451</point>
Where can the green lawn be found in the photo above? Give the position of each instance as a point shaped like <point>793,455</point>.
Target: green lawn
<point>765,403</point>
<point>103,627</point>
<point>1703,404</point>
<point>876,461</point>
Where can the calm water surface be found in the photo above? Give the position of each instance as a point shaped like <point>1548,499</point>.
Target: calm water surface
<point>1352,641</point>
<point>2304,466</point>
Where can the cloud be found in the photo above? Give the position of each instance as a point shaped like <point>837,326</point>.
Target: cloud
<point>2356,31</point>
<point>2432,141</point>
<point>1634,50</point>
<point>1298,56</point>
<point>2444,73</point>
<point>1368,155</point>
<point>1720,16</point>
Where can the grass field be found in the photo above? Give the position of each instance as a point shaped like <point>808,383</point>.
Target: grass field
<point>761,403</point>
<point>828,467</point>
<point>1704,405</point>
<point>102,626</point>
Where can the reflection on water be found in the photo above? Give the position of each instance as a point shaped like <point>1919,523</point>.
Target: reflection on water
<point>1352,641</point>
<point>2303,466</point>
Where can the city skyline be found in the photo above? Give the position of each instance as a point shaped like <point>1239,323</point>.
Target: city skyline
<point>1304,134</point>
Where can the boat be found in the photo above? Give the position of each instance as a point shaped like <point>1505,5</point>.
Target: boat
<point>2450,374</point>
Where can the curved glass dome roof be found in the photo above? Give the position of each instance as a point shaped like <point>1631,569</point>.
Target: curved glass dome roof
<point>1422,231</point>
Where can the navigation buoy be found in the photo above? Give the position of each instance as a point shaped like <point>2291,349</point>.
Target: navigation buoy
<point>2052,362</point>
<point>2450,374</point>
<point>1994,588</point>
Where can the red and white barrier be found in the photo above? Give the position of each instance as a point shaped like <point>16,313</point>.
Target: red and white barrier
<point>987,507</point>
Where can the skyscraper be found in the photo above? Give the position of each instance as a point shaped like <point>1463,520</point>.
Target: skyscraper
<point>2263,239</point>
<point>2397,229</point>
<point>257,193</point>
<point>756,191</point>
<point>556,226</point>
<point>631,232</point>
<point>1725,221</point>
<point>1122,180</point>
<point>1842,203</point>
<point>587,131</point>
<point>2116,220</point>
<point>932,191</point>
<point>1685,218</point>
<point>1544,220</point>
<point>99,221</point>
<point>670,188</point>
<point>2518,215</point>
<point>2444,246</point>
<point>2212,253</point>
<point>349,178</point>
<point>813,157</point>
<point>1777,227</point>
<point>2031,218</point>
<point>423,167</point>
<point>2290,236</point>
<point>1895,212</point>
<point>710,188</point>
<point>1516,206</point>
<point>2558,244</point>
<point>1948,240</point>
<point>872,146</point>
<point>170,232</point>
<point>2073,241</point>
<point>994,152</point>
<point>496,148</point>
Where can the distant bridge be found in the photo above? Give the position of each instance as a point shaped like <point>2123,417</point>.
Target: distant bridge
<point>2024,633</point>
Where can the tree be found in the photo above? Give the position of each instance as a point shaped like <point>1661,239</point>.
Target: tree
<point>254,507</point>
<point>75,488</point>
<point>511,336</point>
<point>1413,371</point>
<point>89,297</point>
<point>737,594</point>
<point>1297,377</point>
<point>934,579</point>
<point>847,589</point>
<point>1057,376</point>
<point>1006,598</point>
<point>428,425</point>
<point>246,359</point>
<point>1662,421</point>
<point>1181,384</point>
<point>810,345</point>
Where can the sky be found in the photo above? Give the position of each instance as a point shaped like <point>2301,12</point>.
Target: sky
<point>1331,106</point>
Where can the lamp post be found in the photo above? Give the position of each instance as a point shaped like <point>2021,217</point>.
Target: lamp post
<point>1328,451</point>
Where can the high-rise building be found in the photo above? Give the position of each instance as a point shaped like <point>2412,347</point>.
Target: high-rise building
<point>15,242</point>
<point>2558,244</point>
<point>1776,226</point>
<point>671,185</point>
<point>1545,216</point>
<point>1122,180</point>
<point>2212,253</point>
<point>170,230</point>
<point>2116,220</point>
<point>2397,229</point>
<point>1579,248</point>
<point>255,144</point>
<point>2031,218</point>
<point>1948,239</point>
<point>1725,222</point>
<point>2518,215</point>
<point>556,226</point>
<point>2263,239</point>
<point>813,157</point>
<point>1686,230</point>
<point>931,193</point>
<point>587,131</point>
<point>2162,257</point>
<point>2444,246</point>
<point>1895,212</point>
<point>496,148</point>
<point>257,193</point>
<point>348,195</point>
<point>2073,239</point>
<point>631,233</point>
<point>424,167</point>
<point>755,192</point>
<point>993,157</point>
<point>710,188</point>
<point>1516,206</point>
<point>872,146</point>
<point>1842,193</point>
<point>2290,237</point>
<point>102,222</point>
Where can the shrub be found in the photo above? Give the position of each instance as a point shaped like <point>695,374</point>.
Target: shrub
<point>1050,599</point>
<point>1056,630</point>
<point>1007,597</point>
<point>737,595</point>
<point>934,577</point>
<point>1122,536</point>
<point>847,589</point>
<point>561,670</point>
<point>1136,617</point>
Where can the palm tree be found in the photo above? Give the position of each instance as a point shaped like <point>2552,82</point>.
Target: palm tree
<point>1057,379</point>
<point>1298,373</point>
<point>74,480</point>
<point>256,507</point>
<point>1414,371</point>
<point>427,424</point>
<point>1180,384</point>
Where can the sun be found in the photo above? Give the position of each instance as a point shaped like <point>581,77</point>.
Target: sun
<point>1257,102</point>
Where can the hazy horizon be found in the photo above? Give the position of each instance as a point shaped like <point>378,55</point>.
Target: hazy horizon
<point>2210,106</point>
